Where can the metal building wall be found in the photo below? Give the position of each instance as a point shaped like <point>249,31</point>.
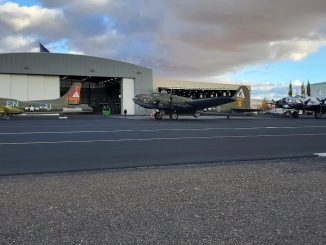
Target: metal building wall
<point>5,86</point>
<point>29,87</point>
<point>128,91</point>
<point>318,90</point>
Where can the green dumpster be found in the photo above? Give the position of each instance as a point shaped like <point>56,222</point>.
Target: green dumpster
<point>106,112</point>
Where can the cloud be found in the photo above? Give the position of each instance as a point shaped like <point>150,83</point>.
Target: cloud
<point>297,83</point>
<point>22,27</point>
<point>295,49</point>
<point>269,91</point>
<point>180,39</point>
<point>20,18</point>
<point>17,42</point>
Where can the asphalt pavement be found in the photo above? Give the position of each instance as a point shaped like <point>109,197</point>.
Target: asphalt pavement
<point>36,145</point>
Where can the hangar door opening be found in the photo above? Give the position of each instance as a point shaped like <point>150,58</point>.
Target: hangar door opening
<point>97,92</point>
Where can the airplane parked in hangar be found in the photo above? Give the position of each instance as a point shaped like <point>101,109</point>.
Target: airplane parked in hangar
<point>300,105</point>
<point>174,105</point>
<point>67,104</point>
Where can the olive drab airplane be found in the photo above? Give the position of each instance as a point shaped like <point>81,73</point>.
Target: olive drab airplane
<point>240,105</point>
<point>174,105</point>
<point>67,104</point>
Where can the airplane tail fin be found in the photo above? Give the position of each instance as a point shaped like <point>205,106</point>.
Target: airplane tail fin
<point>242,97</point>
<point>72,97</point>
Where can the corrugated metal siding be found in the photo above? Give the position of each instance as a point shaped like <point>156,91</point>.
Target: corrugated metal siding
<point>68,64</point>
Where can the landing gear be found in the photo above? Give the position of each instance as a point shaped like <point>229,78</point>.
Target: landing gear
<point>158,115</point>
<point>295,114</point>
<point>174,116</point>
<point>6,116</point>
<point>196,115</point>
<point>287,113</point>
<point>317,115</point>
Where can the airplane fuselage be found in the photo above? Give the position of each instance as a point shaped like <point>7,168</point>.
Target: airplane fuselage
<point>69,103</point>
<point>165,102</point>
<point>41,106</point>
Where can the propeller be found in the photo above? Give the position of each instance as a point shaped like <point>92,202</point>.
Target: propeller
<point>307,101</point>
<point>171,99</point>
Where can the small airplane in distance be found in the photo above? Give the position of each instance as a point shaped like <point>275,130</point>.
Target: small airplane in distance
<point>67,104</point>
<point>296,105</point>
<point>174,105</point>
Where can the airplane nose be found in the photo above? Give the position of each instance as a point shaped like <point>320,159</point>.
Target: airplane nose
<point>136,98</point>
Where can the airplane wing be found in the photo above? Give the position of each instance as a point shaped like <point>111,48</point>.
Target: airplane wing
<point>10,110</point>
<point>2,109</point>
<point>245,110</point>
<point>210,102</point>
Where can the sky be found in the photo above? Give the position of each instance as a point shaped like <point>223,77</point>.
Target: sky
<point>263,43</point>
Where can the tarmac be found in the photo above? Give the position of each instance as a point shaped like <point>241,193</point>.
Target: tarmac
<point>279,200</point>
<point>43,144</point>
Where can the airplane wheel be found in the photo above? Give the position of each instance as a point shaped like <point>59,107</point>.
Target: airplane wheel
<point>174,116</point>
<point>295,114</point>
<point>158,115</point>
<point>196,115</point>
<point>317,115</point>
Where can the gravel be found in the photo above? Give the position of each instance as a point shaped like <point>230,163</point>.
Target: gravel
<point>264,202</point>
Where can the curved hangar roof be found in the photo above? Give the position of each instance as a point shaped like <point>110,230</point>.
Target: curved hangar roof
<point>69,64</point>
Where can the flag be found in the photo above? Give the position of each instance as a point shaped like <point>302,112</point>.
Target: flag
<point>43,49</point>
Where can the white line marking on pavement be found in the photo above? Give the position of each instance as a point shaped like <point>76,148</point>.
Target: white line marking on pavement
<point>159,138</point>
<point>150,130</point>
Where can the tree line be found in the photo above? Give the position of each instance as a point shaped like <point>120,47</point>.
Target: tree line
<point>304,91</point>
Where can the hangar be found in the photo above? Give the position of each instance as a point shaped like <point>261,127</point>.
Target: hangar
<point>318,90</point>
<point>37,76</point>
